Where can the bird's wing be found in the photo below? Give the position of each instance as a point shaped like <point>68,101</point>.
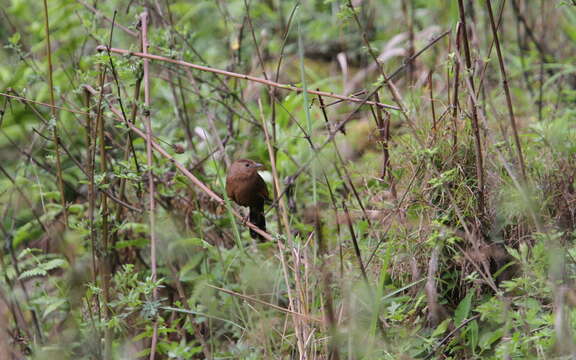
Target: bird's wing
<point>263,189</point>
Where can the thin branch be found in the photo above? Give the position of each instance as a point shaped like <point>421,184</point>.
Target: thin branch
<point>243,76</point>
<point>507,92</point>
<point>182,168</point>
<point>150,164</point>
<point>355,242</point>
<point>475,124</point>
<point>447,337</point>
<point>25,100</point>
<point>55,125</point>
<point>275,307</point>
<point>111,21</point>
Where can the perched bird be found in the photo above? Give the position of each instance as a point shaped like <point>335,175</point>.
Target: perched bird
<point>247,188</point>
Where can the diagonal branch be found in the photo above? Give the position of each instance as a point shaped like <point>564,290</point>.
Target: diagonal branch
<point>243,76</point>
<point>181,167</point>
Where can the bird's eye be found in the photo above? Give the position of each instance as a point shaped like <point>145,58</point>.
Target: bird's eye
<point>247,164</point>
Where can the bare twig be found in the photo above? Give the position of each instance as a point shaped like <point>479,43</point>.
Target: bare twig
<point>475,125</point>
<point>383,123</point>
<point>431,92</point>
<point>447,337</point>
<point>111,21</point>
<point>54,115</point>
<point>150,164</point>
<point>272,306</point>
<point>355,242</point>
<point>507,92</point>
<point>25,100</point>
<point>183,169</point>
<point>456,92</point>
<point>243,76</point>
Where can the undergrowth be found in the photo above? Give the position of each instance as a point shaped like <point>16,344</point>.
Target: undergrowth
<point>416,214</point>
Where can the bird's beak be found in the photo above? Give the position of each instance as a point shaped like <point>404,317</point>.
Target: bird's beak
<point>257,166</point>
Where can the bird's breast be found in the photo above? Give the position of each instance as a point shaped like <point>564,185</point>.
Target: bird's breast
<point>244,191</point>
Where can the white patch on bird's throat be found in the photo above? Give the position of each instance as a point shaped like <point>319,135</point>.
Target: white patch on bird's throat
<point>266,175</point>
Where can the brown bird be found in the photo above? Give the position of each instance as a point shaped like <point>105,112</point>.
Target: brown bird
<point>247,188</point>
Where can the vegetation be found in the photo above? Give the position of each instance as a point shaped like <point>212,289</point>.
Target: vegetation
<point>421,155</point>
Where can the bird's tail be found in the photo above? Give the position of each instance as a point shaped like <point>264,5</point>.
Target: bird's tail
<point>257,218</point>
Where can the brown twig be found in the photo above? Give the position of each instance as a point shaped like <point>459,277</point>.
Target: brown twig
<point>507,92</point>
<point>243,76</point>
<point>182,168</point>
<point>275,307</point>
<point>543,53</point>
<point>25,100</point>
<point>475,124</point>
<point>326,279</point>
<point>91,184</point>
<point>54,116</point>
<point>431,93</point>
<point>355,242</point>
<point>105,259</point>
<point>383,123</point>
<point>284,217</point>
<point>105,262</point>
<point>408,11</point>
<point>456,92</point>
<point>111,21</point>
<point>341,160</point>
<point>447,337</point>
<point>150,164</point>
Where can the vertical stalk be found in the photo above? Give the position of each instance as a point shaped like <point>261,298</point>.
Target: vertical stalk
<point>306,104</point>
<point>105,250</point>
<point>149,157</point>
<point>475,125</point>
<point>53,112</point>
<point>281,249</point>
<point>355,243</point>
<point>408,10</point>
<point>326,280</point>
<point>384,137</point>
<point>431,93</point>
<point>91,141</point>
<point>507,91</point>
<point>455,97</point>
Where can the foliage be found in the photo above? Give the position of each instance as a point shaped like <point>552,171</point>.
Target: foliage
<point>385,242</point>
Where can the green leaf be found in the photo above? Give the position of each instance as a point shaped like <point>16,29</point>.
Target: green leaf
<point>473,334</point>
<point>76,209</point>
<point>32,273</point>
<point>54,264</point>
<point>52,307</point>
<point>441,328</point>
<point>138,242</point>
<point>14,39</point>
<point>135,227</point>
<point>488,338</point>
<point>463,309</point>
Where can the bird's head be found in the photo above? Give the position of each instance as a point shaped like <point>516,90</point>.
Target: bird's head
<point>245,166</point>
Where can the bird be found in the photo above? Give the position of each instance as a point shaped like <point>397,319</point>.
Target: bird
<point>247,188</point>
